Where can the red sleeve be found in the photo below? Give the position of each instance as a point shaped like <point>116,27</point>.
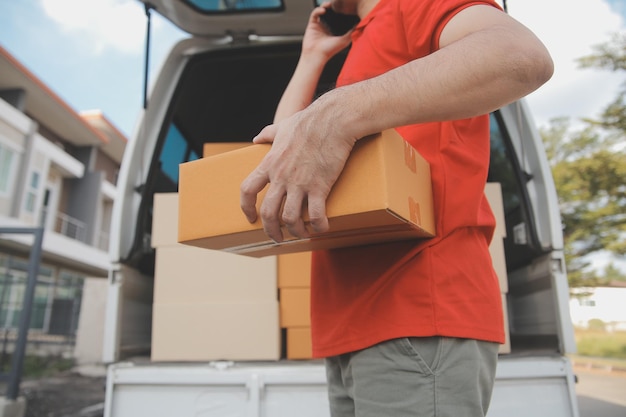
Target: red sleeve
<point>425,20</point>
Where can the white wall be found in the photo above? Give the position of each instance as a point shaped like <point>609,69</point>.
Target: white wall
<point>90,332</point>
<point>604,303</point>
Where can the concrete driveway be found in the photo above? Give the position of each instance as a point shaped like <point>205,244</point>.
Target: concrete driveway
<point>601,394</point>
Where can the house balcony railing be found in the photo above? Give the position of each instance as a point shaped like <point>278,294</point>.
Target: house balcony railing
<point>70,227</point>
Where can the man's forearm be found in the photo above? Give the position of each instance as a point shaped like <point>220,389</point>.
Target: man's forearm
<point>472,76</point>
<point>301,88</point>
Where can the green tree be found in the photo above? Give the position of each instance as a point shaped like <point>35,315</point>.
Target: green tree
<point>610,56</point>
<point>589,172</point>
<point>589,168</point>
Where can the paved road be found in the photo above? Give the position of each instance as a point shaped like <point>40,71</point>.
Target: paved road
<point>601,394</point>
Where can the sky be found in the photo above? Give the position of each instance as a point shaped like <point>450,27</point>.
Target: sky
<point>91,53</point>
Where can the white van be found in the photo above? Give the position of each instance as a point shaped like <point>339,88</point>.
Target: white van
<point>222,84</point>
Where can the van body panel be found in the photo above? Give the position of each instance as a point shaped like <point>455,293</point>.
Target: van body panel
<point>542,386</point>
<point>290,19</point>
<point>533,162</point>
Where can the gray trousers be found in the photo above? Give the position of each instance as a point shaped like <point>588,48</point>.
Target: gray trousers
<point>416,377</point>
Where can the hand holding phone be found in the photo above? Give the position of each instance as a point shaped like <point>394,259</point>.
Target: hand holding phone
<point>338,24</point>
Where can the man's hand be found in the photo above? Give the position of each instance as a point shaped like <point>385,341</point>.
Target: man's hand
<point>301,168</point>
<point>485,61</point>
<point>317,38</point>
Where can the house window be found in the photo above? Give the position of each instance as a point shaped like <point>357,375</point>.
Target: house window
<point>31,193</point>
<point>7,158</point>
<point>587,302</point>
<point>66,303</point>
<point>13,284</point>
<point>56,299</point>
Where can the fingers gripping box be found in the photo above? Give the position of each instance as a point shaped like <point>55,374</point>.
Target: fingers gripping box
<point>383,194</point>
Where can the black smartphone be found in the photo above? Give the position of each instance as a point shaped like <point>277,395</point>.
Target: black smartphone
<point>338,23</point>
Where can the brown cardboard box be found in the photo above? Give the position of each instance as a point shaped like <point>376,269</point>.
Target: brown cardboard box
<point>165,220</point>
<point>506,347</point>
<point>185,274</point>
<point>216,148</point>
<point>299,343</point>
<point>493,192</point>
<point>384,193</point>
<point>295,307</point>
<point>294,270</point>
<point>216,331</point>
<point>496,249</point>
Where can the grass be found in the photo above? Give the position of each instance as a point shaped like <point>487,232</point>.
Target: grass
<point>40,366</point>
<point>601,346</point>
<point>599,363</point>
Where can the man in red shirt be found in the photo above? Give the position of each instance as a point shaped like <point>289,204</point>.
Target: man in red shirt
<point>407,328</point>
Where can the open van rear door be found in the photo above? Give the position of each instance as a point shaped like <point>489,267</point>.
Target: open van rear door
<point>209,18</point>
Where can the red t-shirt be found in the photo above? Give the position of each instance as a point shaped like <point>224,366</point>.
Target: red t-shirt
<point>441,286</point>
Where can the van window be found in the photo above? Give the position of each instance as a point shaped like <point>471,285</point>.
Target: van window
<point>176,150</point>
<point>501,168</point>
<point>218,6</point>
<point>505,169</point>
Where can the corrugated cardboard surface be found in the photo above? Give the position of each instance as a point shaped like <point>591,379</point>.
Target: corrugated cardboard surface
<point>216,148</point>
<point>299,343</point>
<point>295,307</point>
<point>209,305</point>
<point>185,274</point>
<point>493,192</point>
<point>294,270</point>
<point>496,249</point>
<point>384,193</point>
<point>216,331</point>
<point>165,220</point>
<point>506,347</point>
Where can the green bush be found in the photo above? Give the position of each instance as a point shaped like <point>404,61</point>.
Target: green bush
<point>597,324</point>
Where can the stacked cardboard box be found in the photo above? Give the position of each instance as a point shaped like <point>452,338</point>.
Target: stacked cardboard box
<point>493,192</point>
<point>218,283</point>
<point>294,284</point>
<point>209,305</point>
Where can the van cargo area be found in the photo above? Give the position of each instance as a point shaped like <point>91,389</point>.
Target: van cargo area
<point>209,93</point>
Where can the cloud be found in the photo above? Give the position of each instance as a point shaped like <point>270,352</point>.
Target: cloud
<point>569,29</point>
<point>118,25</point>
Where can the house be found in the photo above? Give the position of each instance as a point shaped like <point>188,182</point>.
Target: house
<point>58,170</point>
<point>602,305</point>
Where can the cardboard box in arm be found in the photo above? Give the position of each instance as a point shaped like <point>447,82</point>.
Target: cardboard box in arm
<point>383,194</point>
